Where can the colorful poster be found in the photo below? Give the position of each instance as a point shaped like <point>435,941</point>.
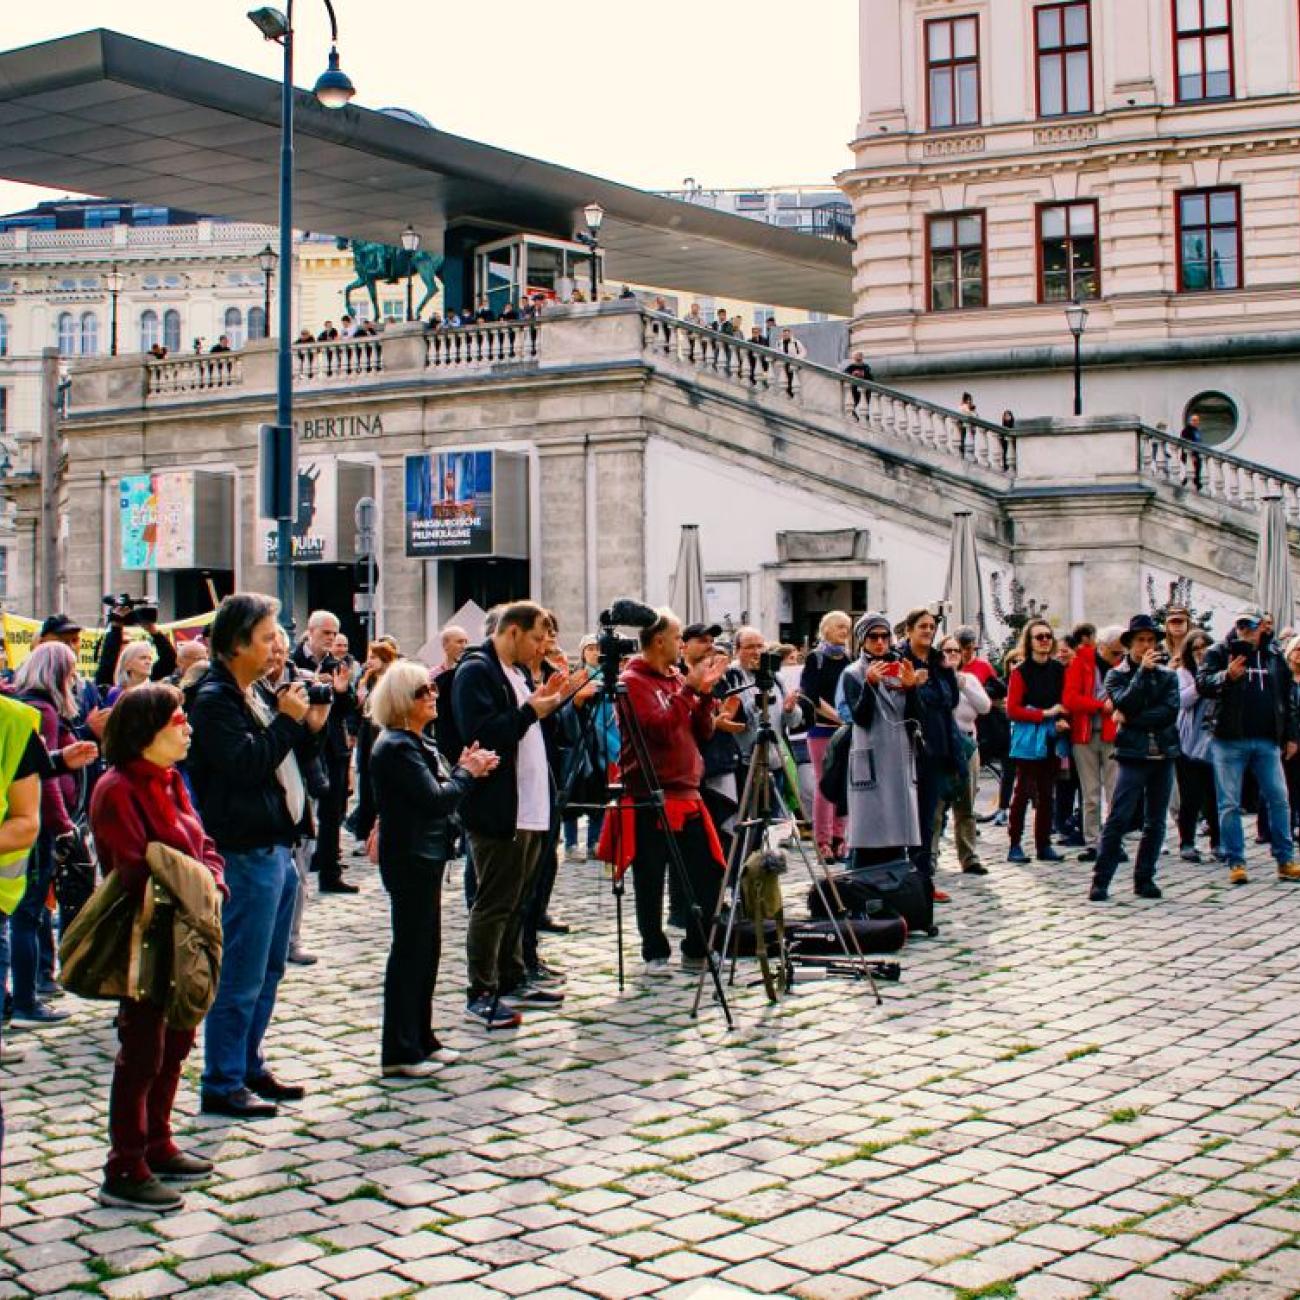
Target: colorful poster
<point>449,504</point>
<point>174,511</point>
<point>139,521</point>
<point>315,523</point>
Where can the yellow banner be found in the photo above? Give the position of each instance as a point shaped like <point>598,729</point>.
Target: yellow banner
<point>20,635</point>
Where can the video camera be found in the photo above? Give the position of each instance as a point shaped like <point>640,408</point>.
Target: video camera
<point>138,611</point>
<point>612,647</point>
<point>769,665</point>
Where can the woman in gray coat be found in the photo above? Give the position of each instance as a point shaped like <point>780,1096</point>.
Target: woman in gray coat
<point>877,694</point>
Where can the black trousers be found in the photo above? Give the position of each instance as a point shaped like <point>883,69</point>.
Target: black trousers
<point>412,971</point>
<point>539,901</point>
<point>1196,799</point>
<point>330,808</point>
<point>927,804</point>
<point>703,878</point>
<point>1139,784</point>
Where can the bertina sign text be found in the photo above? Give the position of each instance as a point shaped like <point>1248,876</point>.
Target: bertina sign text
<point>333,428</point>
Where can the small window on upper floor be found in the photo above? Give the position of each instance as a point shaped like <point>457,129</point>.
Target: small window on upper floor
<point>1063,42</point>
<point>952,58</point>
<point>956,260</point>
<point>1203,50</point>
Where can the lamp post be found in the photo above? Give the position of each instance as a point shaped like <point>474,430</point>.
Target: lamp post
<point>1076,316</point>
<point>333,90</point>
<point>267,259</point>
<point>410,242</point>
<point>114,282</point>
<point>594,215</point>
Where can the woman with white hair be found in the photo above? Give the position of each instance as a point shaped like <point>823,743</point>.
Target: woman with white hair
<point>416,797</point>
<point>134,666</point>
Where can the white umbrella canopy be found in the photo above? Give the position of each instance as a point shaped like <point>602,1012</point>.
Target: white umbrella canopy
<point>1273,591</point>
<point>686,591</point>
<point>963,592</point>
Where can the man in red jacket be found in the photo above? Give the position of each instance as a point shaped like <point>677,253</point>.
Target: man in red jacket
<point>1092,723</point>
<point>674,712</point>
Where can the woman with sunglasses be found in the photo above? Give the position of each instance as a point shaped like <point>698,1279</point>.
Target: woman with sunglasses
<point>1034,698</point>
<point>139,801</point>
<point>416,797</point>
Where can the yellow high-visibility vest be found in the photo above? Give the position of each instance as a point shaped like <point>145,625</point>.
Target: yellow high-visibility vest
<point>17,723</point>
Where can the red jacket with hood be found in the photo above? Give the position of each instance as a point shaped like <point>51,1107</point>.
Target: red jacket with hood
<point>675,720</point>
<point>1080,699</point>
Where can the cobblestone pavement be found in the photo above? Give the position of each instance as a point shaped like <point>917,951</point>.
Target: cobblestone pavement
<point>1059,1100</point>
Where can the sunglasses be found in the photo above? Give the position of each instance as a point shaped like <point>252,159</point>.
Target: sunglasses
<point>876,636</point>
<point>424,693</point>
<point>178,719</point>
<point>1042,636</point>
<point>951,650</point>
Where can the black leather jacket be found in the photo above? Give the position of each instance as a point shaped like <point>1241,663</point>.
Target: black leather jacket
<point>1212,681</point>
<point>1149,702</point>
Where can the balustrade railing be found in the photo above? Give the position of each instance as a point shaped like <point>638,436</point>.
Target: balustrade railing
<point>344,359</point>
<point>481,345</point>
<point>721,354</point>
<point>1215,475</point>
<point>197,374</point>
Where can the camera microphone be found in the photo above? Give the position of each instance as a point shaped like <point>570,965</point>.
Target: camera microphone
<point>626,612</point>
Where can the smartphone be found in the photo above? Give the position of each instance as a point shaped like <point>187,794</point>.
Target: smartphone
<point>1240,649</point>
<point>894,669</point>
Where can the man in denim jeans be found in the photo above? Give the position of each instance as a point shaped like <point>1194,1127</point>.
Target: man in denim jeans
<point>246,763</point>
<point>1255,723</point>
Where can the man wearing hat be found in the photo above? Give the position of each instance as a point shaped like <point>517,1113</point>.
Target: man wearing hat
<point>1255,725</point>
<point>1144,696</point>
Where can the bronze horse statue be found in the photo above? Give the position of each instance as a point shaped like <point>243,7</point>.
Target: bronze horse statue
<point>375,263</point>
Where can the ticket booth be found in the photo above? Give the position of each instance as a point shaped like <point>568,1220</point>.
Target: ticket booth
<point>508,270</point>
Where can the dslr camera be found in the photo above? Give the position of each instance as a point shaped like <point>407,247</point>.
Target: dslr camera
<point>769,665</point>
<point>136,612</point>
<point>320,693</point>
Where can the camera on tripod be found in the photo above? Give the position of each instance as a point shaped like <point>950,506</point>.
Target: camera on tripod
<point>136,611</point>
<point>769,665</point>
<point>614,648</point>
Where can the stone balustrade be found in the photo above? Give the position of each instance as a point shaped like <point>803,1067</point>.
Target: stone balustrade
<point>471,347</point>
<point>1215,475</point>
<point>186,376</point>
<point>342,360</point>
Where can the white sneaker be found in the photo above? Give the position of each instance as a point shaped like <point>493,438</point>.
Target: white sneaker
<point>444,1055</point>
<point>415,1070</point>
<point>657,970</point>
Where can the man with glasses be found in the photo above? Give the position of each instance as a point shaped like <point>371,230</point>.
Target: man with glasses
<point>1255,725</point>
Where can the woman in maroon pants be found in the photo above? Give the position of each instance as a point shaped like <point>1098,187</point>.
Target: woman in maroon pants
<point>141,800</point>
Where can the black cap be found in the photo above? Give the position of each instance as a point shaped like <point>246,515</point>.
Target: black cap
<point>1138,623</point>
<point>59,625</point>
<point>692,630</point>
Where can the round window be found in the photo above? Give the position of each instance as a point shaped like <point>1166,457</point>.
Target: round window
<point>1219,417</point>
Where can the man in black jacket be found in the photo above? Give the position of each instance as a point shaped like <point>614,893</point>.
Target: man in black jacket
<point>314,656</point>
<point>1255,725</point>
<point>508,814</point>
<point>246,766</point>
<point>1145,697</point>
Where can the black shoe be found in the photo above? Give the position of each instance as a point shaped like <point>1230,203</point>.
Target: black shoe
<point>1049,854</point>
<point>533,995</point>
<point>181,1167</point>
<point>549,925</point>
<point>240,1104</point>
<point>48,990</point>
<point>1123,856</point>
<point>268,1087</point>
<point>1088,855</point>
<point>1072,840</point>
<point>337,885</point>
<point>1148,889</point>
<point>678,921</point>
<point>975,869</point>
<point>139,1194</point>
<point>1097,894</point>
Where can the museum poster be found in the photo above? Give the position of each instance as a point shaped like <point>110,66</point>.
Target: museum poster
<point>449,504</point>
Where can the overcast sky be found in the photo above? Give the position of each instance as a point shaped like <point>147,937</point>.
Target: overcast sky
<point>732,92</point>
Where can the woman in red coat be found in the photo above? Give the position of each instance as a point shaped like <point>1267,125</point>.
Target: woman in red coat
<point>141,800</point>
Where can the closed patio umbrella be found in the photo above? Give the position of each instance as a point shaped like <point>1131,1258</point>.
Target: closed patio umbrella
<point>1273,590</point>
<point>963,592</point>
<point>686,592</point>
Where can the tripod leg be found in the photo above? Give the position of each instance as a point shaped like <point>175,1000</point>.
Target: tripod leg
<point>618,929</point>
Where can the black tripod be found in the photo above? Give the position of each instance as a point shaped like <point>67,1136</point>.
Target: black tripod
<point>759,800</point>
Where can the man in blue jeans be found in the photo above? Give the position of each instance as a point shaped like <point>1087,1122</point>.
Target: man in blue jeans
<point>1255,724</point>
<point>246,765</point>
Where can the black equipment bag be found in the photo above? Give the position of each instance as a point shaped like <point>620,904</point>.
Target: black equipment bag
<point>744,938</point>
<point>833,779</point>
<point>74,876</point>
<point>884,935</point>
<point>888,888</point>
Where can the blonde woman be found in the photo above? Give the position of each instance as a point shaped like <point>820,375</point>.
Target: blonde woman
<point>133,669</point>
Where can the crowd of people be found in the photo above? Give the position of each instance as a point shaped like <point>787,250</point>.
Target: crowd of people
<point>246,758</point>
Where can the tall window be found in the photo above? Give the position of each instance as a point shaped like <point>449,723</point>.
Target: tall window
<point>4,335</point>
<point>952,55</point>
<point>89,331</point>
<point>956,261</point>
<point>1061,33</point>
<point>172,330</point>
<point>149,334</point>
<point>1203,49</point>
<point>4,410</point>
<point>1067,241</point>
<point>257,322</point>
<point>67,334</point>
<point>234,327</point>
<point>1209,240</point>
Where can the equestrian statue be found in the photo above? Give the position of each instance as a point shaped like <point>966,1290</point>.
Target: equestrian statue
<point>376,263</point>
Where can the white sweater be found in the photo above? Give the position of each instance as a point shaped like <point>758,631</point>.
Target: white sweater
<point>973,703</point>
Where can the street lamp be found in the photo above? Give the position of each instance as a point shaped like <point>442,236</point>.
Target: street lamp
<point>410,242</point>
<point>333,90</point>
<point>593,214</point>
<point>114,282</point>
<point>1076,316</point>
<point>267,259</point>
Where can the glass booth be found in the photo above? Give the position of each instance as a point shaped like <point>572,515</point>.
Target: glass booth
<point>508,270</point>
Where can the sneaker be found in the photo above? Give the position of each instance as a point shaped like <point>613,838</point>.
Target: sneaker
<point>1237,874</point>
<point>549,925</point>
<point>48,990</point>
<point>574,854</point>
<point>1190,853</point>
<point>547,977</point>
<point>481,1011</point>
<point>444,1055</point>
<point>1148,889</point>
<point>1050,854</point>
<point>692,964</point>
<point>529,994</point>
<point>301,957</point>
<point>1016,854</point>
<point>11,1055</point>
<point>975,869</point>
<point>40,1014</point>
<point>140,1194</point>
<point>1289,871</point>
<point>181,1167</point>
<point>657,968</point>
<point>1088,855</point>
<point>1097,894</point>
<point>941,897</point>
<point>412,1070</point>
<point>999,817</point>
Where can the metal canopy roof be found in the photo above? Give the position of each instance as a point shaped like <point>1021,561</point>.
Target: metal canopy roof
<point>107,114</point>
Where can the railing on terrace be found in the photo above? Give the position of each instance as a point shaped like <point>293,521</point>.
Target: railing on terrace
<point>345,359</point>
<point>1215,475</point>
<point>883,412</point>
<point>477,345</point>
<point>196,374</point>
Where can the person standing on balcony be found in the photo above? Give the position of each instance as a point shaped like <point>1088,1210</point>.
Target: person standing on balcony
<point>1192,434</point>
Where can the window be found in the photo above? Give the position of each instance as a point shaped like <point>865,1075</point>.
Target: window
<point>172,330</point>
<point>151,282</point>
<point>256,322</point>
<point>1203,49</point>
<point>953,66</point>
<point>1067,244</point>
<point>956,261</point>
<point>89,332</point>
<point>394,312</point>
<point>142,215</point>
<point>1064,59</point>
<point>4,335</point>
<point>148,329</point>
<point>4,410</point>
<point>233,328</point>
<point>67,334</point>
<point>1209,240</point>
<point>100,218</point>
<point>1219,417</point>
